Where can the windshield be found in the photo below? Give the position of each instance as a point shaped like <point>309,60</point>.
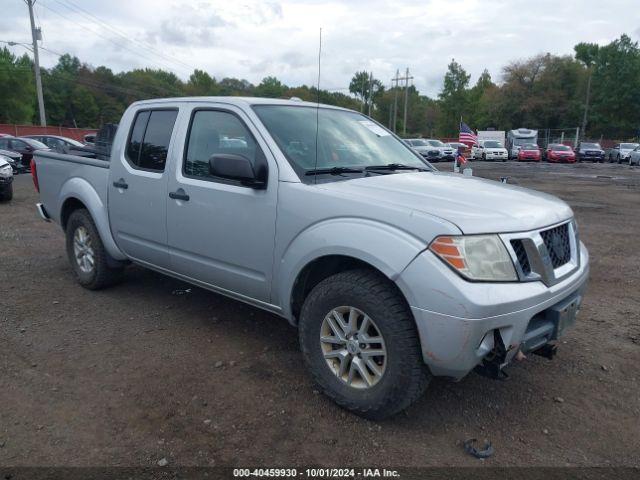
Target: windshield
<point>492,144</point>
<point>530,146</point>
<point>560,148</point>
<point>418,143</point>
<point>34,143</point>
<point>435,143</point>
<point>345,139</point>
<point>73,142</point>
<point>628,146</point>
<point>522,141</point>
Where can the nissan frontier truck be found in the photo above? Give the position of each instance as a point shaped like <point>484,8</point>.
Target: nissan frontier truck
<point>392,271</point>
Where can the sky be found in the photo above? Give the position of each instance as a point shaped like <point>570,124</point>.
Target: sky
<point>254,39</point>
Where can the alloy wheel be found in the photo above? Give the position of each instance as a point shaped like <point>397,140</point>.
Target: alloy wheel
<point>353,347</point>
<point>83,250</point>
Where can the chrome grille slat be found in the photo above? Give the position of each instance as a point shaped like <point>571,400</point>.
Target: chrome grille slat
<point>546,255</point>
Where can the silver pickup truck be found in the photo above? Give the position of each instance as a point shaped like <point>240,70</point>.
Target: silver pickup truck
<point>392,271</point>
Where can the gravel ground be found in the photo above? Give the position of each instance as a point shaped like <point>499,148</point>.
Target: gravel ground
<point>136,373</point>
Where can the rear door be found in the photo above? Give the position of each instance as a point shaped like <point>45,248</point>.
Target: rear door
<point>221,232</point>
<point>138,187</point>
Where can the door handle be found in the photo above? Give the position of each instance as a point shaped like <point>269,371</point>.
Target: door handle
<point>121,184</point>
<point>179,195</point>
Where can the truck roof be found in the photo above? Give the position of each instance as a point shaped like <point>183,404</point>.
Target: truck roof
<point>239,101</point>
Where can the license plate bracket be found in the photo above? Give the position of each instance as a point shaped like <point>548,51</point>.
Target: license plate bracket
<point>564,314</point>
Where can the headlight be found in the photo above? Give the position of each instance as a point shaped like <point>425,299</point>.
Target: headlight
<point>476,257</point>
<point>6,171</point>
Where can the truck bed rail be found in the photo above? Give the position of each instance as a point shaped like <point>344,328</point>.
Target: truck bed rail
<point>73,159</point>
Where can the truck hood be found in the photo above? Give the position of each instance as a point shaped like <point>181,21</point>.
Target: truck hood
<point>474,205</point>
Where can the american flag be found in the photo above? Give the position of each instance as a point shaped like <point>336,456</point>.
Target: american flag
<point>467,135</point>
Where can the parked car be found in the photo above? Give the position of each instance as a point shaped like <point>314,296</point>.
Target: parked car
<point>14,159</point>
<point>90,139</point>
<point>620,152</point>
<point>634,156</point>
<point>61,144</point>
<point>392,272</point>
<point>489,150</point>
<point>5,135</point>
<point>457,146</point>
<point>589,151</point>
<point>529,152</point>
<point>446,152</point>
<point>24,146</point>
<point>425,149</point>
<point>557,152</point>
<point>6,179</point>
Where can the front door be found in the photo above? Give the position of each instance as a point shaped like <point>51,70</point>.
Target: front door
<point>221,232</point>
<point>138,188</point>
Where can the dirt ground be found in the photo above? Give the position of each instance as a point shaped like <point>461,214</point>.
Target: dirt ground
<point>137,373</point>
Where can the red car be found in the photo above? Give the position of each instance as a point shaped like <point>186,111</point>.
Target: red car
<point>529,152</point>
<point>560,153</point>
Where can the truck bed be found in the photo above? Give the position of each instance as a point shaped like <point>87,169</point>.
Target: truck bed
<point>61,175</point>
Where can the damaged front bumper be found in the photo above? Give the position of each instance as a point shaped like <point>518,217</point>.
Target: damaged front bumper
<point>485,324</point>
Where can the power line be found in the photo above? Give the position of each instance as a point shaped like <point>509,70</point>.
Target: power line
<point>106,38</point>
<point>122,34</point>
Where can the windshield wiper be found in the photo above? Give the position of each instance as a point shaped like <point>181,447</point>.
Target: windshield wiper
<point>333,171</point>
<point>395,166</point>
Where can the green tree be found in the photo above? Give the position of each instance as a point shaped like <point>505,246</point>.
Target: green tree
<point>17,100</point>
<point>270,87</point>
<point>616,89</point>
<point>453,98</point>
<point>476,115</point>
<point>366,88</point>
<point>201,84</point>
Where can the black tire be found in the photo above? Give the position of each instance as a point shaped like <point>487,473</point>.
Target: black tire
<point>484,157</point>
<point>405,377</point>
<point>101,275</point>
<point>7,194</point>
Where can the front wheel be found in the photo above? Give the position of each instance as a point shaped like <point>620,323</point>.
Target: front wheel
<point>87,255</point>
<point>359,340</point>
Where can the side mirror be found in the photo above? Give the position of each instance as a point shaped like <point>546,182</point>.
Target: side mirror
<point>236,167</point>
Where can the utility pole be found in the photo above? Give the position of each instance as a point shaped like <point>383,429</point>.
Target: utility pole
<point>406,100</point>
<point>586,104</point>
<point>395,99</point>
<point>35,34</point>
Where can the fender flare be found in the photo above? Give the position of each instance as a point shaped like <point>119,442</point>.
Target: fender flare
<point>384,247</point>
<point>81,190</point>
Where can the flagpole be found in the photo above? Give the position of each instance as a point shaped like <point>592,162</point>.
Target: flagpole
<point>455,157</point>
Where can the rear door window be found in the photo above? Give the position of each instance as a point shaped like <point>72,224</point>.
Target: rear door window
<point>149,140</point>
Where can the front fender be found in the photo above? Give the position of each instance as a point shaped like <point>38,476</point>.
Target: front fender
<point>386,248</point>
<point>80,189</point>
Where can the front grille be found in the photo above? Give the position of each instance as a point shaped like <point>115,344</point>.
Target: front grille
<point>521,254</point>
<point>558,245</point>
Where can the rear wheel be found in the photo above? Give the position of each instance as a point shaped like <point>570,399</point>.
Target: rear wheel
<point>359,340</point>
<point>7,193</point>
<point>87,255</point>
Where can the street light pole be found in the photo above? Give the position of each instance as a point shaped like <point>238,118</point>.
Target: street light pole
<point>36,62</point>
